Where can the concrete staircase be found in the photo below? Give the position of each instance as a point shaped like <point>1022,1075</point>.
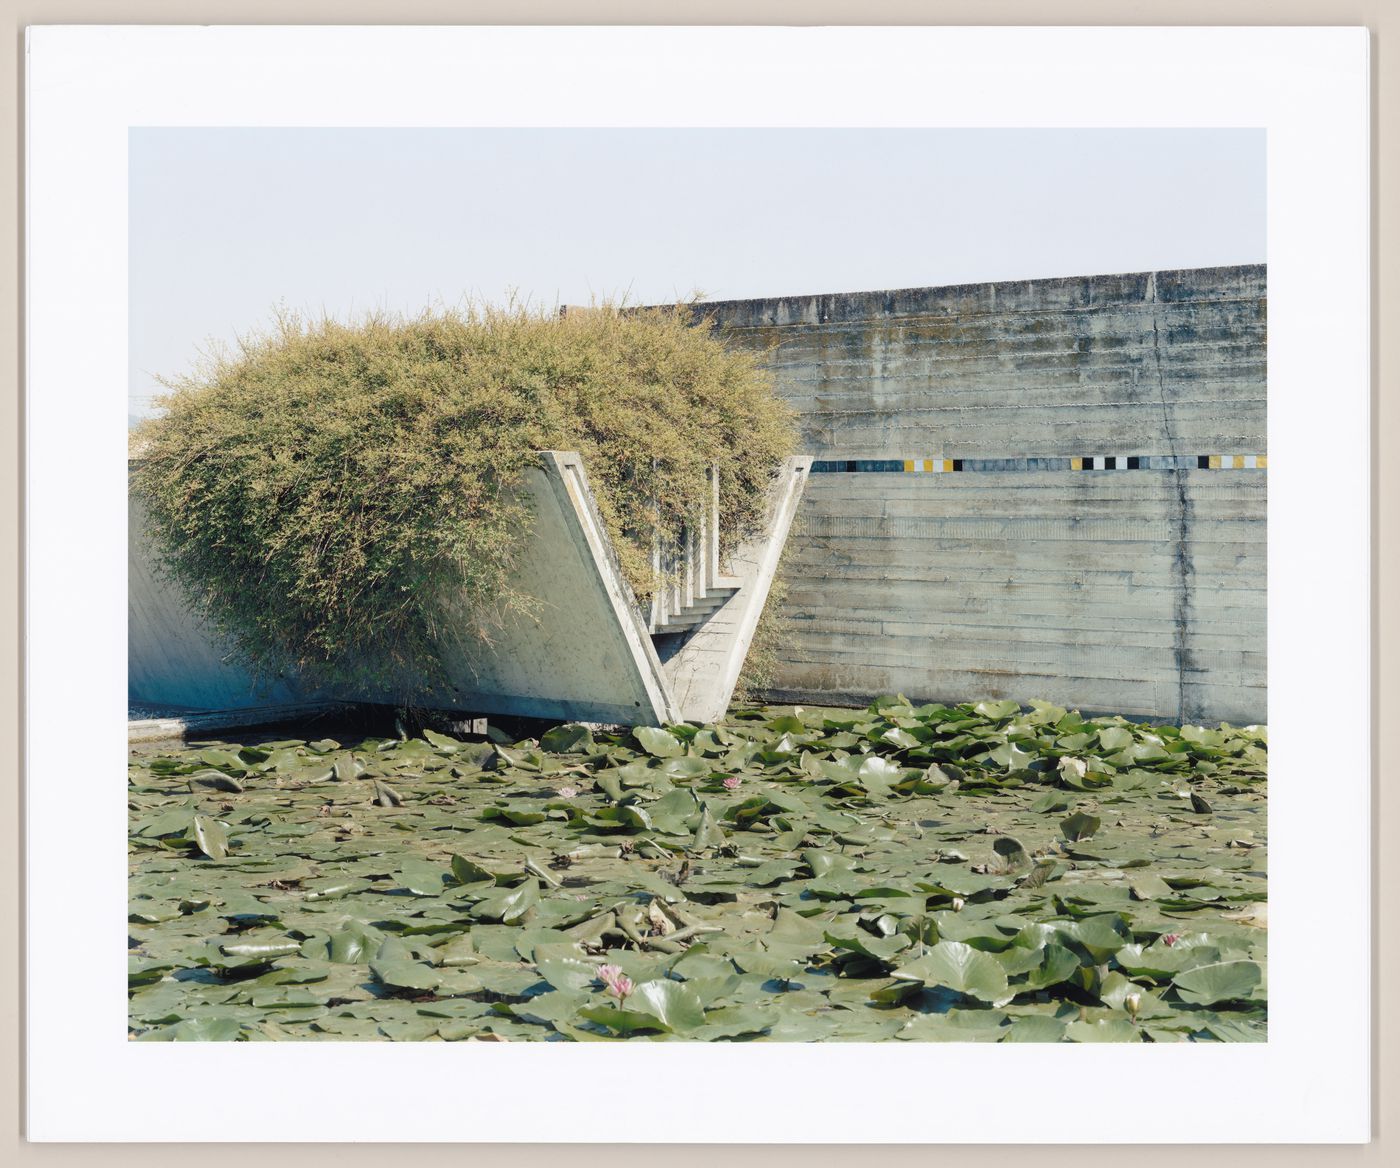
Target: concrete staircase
<point>693,615</point>
<point>702,670</point>
<point>690,589</point>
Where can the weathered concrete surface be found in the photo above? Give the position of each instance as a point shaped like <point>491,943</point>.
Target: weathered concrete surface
<point>703,673</point>
<point>185,726</point>
<point>1134,591</point>
<point>584,653</point>
<point>173,658</point>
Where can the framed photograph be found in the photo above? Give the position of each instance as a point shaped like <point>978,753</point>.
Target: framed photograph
<point>756,557</point>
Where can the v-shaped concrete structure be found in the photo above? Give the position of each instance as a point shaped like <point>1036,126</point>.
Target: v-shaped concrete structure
<point>587,653</point>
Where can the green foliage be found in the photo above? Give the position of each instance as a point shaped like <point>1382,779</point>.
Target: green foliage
<point>787,875</point>
<point>340,498</point>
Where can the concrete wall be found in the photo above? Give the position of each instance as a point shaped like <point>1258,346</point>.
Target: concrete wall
<point>582,653</point>
<point>1139,591</point>
<point>173,658</point>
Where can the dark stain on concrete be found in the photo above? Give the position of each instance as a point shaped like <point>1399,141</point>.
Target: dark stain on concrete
<point>1183,566</point>
<point>1067,366</point>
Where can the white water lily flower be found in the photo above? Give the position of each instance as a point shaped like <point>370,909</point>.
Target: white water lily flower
<point>1074,766</point>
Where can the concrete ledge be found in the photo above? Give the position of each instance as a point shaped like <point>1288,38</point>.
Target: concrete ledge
<point>214,721</point>
<point>1057,294</point>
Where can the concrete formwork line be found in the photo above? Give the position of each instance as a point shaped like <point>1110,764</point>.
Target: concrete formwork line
<point>1016,382</point>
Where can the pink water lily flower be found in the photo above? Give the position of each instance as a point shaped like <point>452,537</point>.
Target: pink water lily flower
<point>732,783</point>
<point>1170,938</point>
<point>567,792</point>
<point>615,981</point>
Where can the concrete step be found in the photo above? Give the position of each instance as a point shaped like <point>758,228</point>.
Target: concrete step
<point>697,613</point>
<point>713,599</point>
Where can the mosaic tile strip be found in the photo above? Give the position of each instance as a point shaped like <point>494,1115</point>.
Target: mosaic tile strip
<point>1078,462</point>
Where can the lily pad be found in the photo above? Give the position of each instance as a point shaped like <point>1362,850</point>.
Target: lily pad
<point>572,738</point>
<point>399,974</point>
<point>957,966</point>
<point>210,837</point>
<point>1225,981</point>
<point>798,876</point>
<point>657,742</point>
<point>1080,826</point>
<point>674,1004</point>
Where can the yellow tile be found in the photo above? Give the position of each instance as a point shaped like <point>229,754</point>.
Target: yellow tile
<point>1261,461</point>
<point>908,464</point>
<point>1215,462</point>
<point>947,464</point>
<point>1076,464</point>
<point>1239,462</point>
<point>928,466</point>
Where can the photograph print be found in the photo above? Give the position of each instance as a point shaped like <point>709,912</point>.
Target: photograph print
<point>701,585</point>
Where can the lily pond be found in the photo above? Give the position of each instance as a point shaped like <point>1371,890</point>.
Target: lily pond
<point>976,873</point>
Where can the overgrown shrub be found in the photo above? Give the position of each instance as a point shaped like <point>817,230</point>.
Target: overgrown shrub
<point>328,492</point>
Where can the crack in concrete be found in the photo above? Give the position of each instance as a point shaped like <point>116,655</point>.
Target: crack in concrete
<point>1183,565</point>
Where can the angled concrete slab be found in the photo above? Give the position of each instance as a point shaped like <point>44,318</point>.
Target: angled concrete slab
<point>584,654</point>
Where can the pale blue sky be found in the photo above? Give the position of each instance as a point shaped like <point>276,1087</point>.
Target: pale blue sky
<point>228,223</point>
